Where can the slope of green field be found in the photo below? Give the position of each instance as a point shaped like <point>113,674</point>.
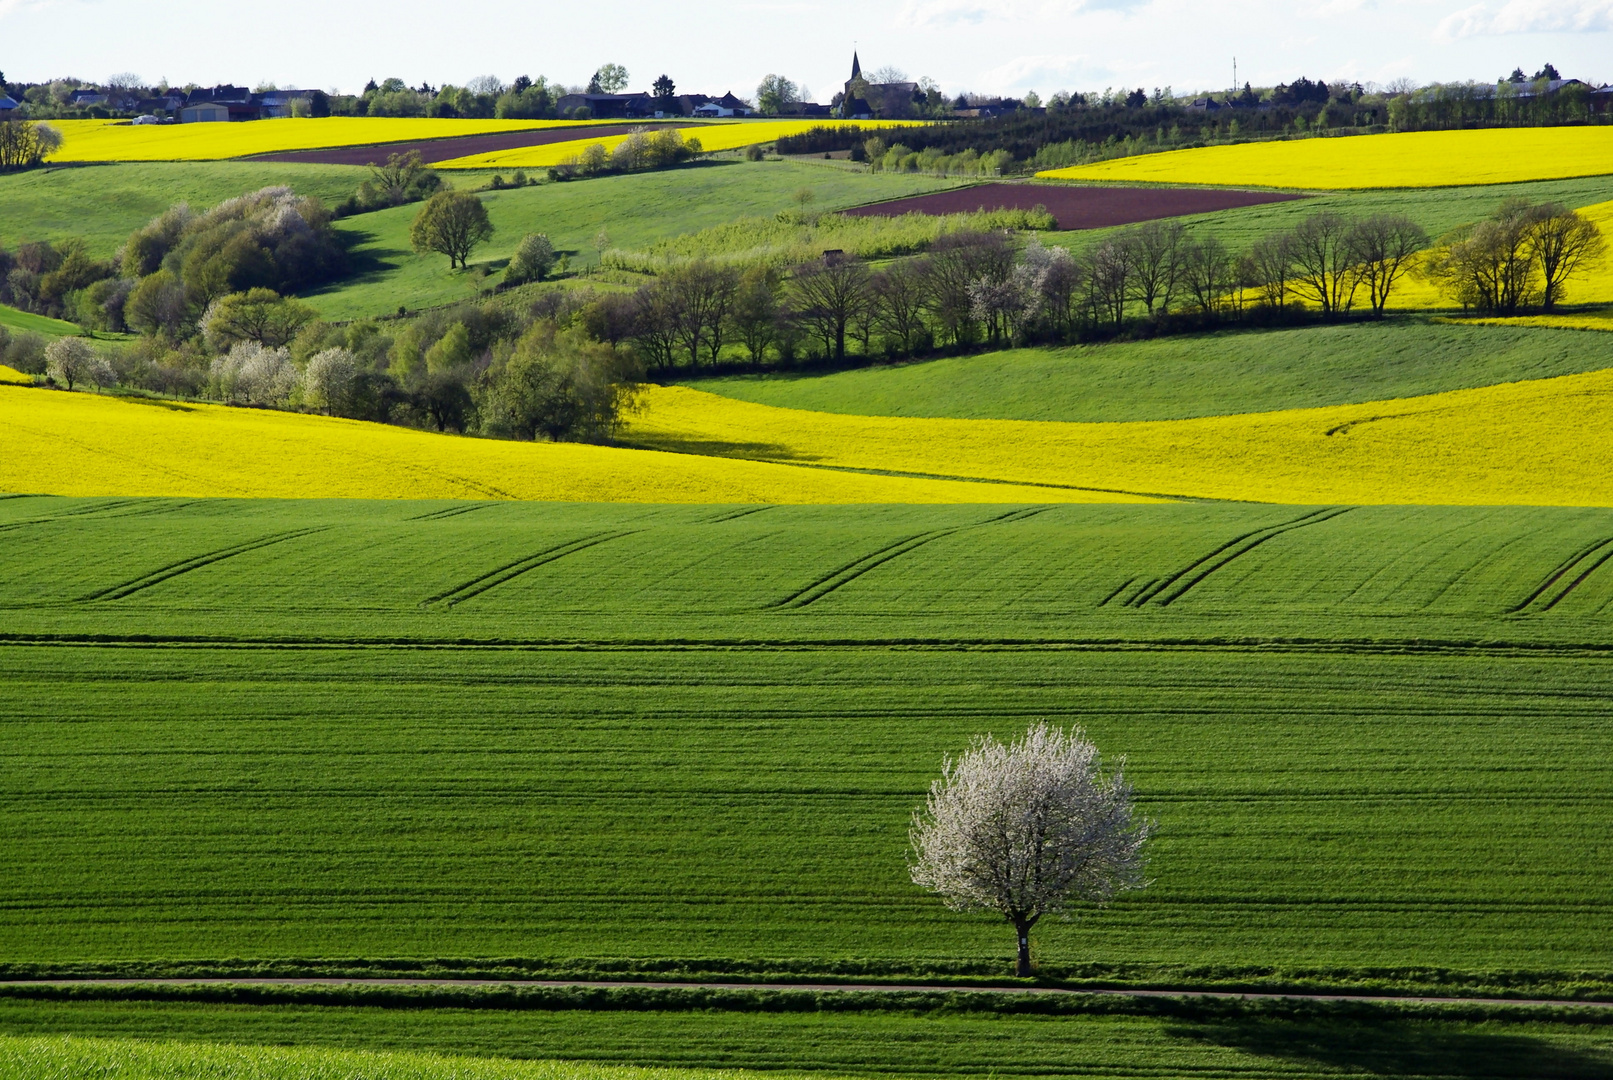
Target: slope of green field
<point>635,210</point>
<point>105,203</point>
<point>1198,375</point>
<point>13,319</point>
<point>1205,1044</point>
<point>1372,737</point>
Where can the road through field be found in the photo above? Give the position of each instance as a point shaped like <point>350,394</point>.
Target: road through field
<point>818,988</point>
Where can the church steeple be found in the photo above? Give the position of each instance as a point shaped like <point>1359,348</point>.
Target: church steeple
<point>856,67</point>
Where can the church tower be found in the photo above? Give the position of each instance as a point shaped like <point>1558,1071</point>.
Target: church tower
<point>856,67</point>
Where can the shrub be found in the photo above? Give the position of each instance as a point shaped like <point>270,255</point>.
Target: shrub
<point>533,260</point>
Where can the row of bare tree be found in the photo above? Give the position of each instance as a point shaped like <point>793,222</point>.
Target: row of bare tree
<point>973,288</point>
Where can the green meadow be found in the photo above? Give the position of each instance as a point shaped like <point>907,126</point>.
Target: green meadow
<point>1374,739</point>
<point>1171,378</point>
<point>634,210</point>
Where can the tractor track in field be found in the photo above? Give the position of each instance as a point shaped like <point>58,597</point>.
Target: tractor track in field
<point>811,988</point>
<point>195,562</point>
<point>855,569</point>
<point>1590,557</point>
<point>476,586</point>
<point>1171,588</point>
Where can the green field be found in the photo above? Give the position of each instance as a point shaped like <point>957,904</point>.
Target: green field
<point>1373,738</point>
<point>105,203</point>
<point>635,210</point>
<point>1212,1043</point>
<point>1198,375</point>
<point>13,319</point>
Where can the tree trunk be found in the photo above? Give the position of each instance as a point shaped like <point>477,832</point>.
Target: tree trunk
<point>1023,930</point>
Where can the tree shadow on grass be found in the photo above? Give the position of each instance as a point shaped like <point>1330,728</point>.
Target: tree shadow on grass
<point>1402,1049</point>
<point>750,451</point>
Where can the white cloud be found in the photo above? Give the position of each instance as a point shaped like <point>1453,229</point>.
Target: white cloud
<point>940,13</point>
<point>1528,17</point>
<point>1044,73</point>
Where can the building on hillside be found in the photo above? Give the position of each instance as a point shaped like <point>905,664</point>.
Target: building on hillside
<point>863,100</point>
<point>727,105</point>
<point>807,109</point>
<point>85,98</point>
<point>8,105</point>
<point>608,106</point>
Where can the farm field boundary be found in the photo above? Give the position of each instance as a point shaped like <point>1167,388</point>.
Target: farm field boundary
<point>1075,208</point>
<point>285,989</point>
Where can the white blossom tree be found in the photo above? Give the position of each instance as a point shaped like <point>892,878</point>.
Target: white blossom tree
<point>71,360</point>
<point>1029,829</point>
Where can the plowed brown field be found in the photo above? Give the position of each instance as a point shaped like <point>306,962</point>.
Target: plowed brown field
<point>1076,207</point>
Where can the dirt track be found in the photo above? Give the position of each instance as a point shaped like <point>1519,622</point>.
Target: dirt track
<point>434,150</point>
<point>1077,207</point>
<point>838,988</point>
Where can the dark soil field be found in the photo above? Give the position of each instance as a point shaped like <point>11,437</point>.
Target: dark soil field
<point>1076,207</point>
<point>434,150</point>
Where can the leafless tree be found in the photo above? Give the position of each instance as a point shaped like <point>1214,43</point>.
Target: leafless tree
<point>1271,268</point>
<point>702,299</point>
<point>1562,241</point>
<point>655,326</point>
<point>758,311</point>
<point>1209,274</point>
<point>1324,271</point>
<point>1155,257</point>
<point>957,261</point>
<point>1064,294</point>
<point>830,293</point>
<point>1489,265</point>
<point>901,294</point>
<point>1110,286</point>
<point>1029,829</point>
<point>1381,250</point>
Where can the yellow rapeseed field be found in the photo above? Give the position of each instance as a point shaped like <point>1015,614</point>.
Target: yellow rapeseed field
<point>108,140</point>
<point>1602,322</point>
<point>714,136</point>
<point>1544,442</point>
<point>59,443</point>
<point>1410,159</point>
<point>12,375</point>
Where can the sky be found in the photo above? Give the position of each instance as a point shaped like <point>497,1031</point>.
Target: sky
<point>981,46</point>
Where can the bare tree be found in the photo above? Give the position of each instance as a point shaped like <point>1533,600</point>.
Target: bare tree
<point>830,294</point>
<point>1271,267</point>
<point>1323,268</point>
<point>1209,273</point>
<point>901,294</point>
<point>1562,241</point>
<point>1381,249</point>
<point>1489,265</point>
<point>1155,257</point>
<point>1029,829</point>
<point>1110,284</point>
<point>701,296</point>
<point>70,360</point>
<point>758,311</point>
<point>957,261</point>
